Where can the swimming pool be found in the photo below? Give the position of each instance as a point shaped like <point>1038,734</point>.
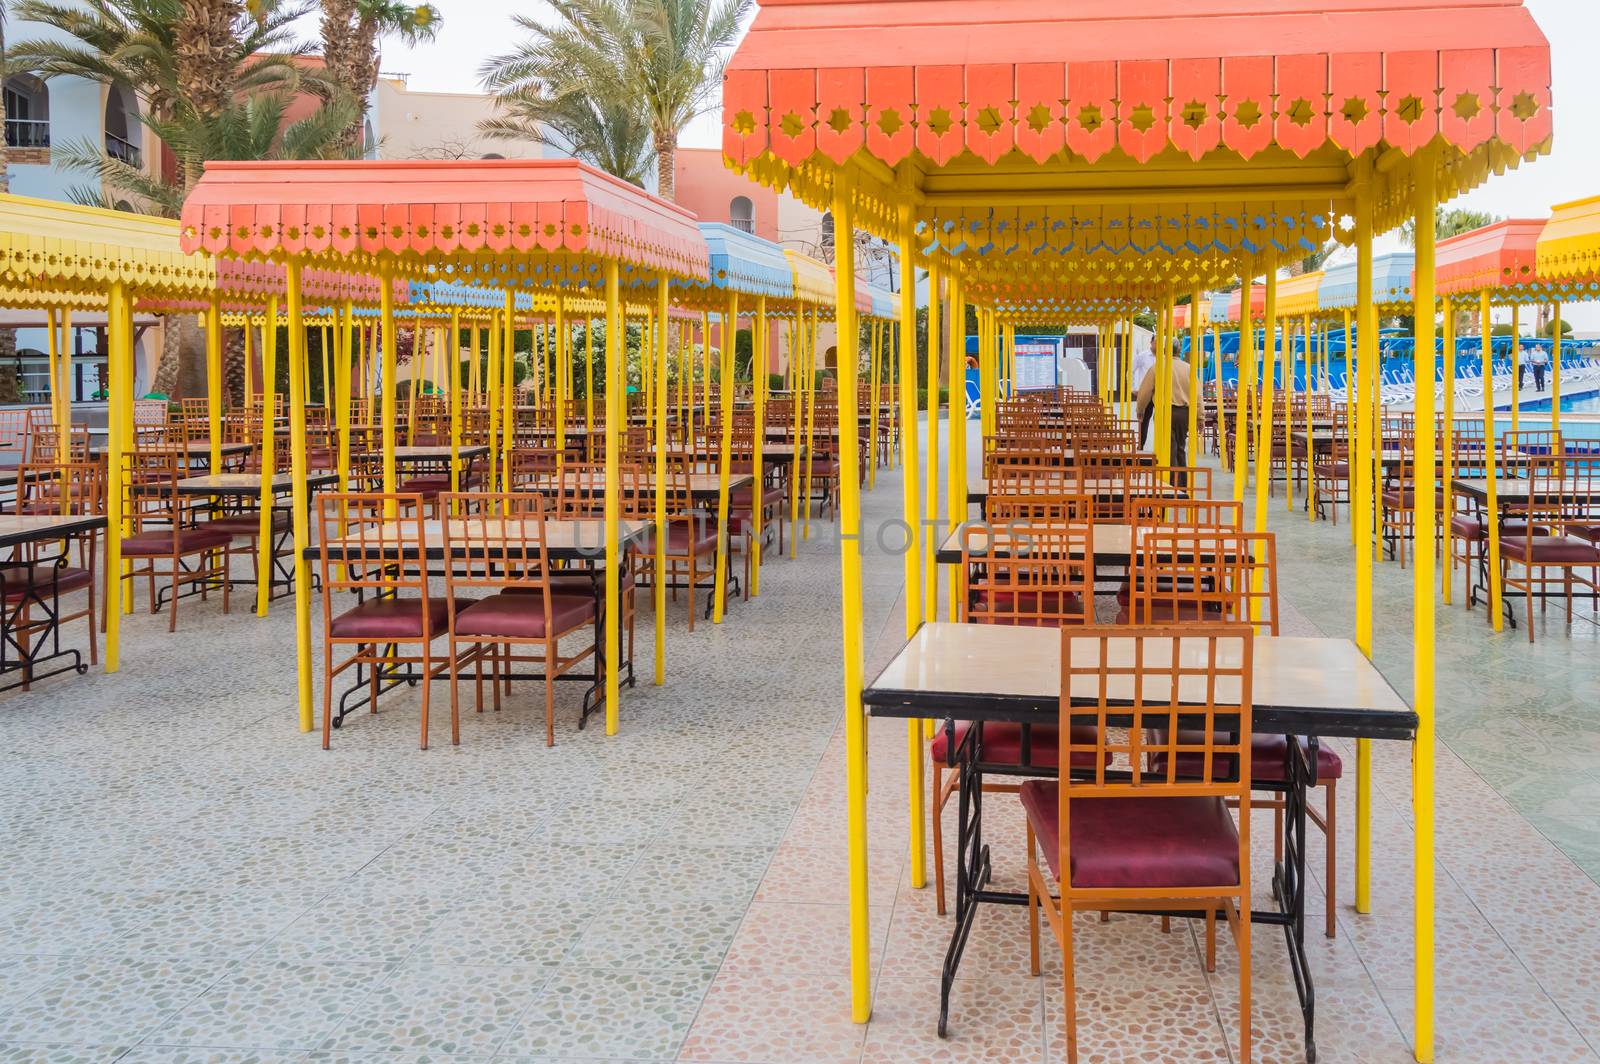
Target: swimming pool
<point>1578,403</point>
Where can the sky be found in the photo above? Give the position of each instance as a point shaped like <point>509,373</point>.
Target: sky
<point>475,29</point>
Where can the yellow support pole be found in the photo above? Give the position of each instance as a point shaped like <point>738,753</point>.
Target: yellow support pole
<point>956,501</point>
<point>1269,371</point>
<point>1423,609</point>
<point>930,530</point>
<point>299,494</point>
<point>1350,413</point>
<point>850,612</point>
<point>1363,498</point>
<point>873,367</point>
<point>341,386</point>
<point>66,368</point>
<point>1555,369</point>
<point>1448,454</point>
<point>759,335</point>
<point>730,325</point>
<point>588,375</point>
<point>1516,367</point>
<point>55,384</point>
<point>249,367</point>
<point>1492,504</point>
<point>492,395</point>
<point>387,370</point>
<point>508,390</point>
<point>418,348</point>
<point>802,439</point>
<point>1160,395</point>
<point>911,508</point>
<point>327,403</point>
<point>451,350</point>
<point>1245,360</point>
<point>269,455</point>
<point>1197,404</point>
<point>616,388</point>
<point>562,382</point>
<point>214,379</point>
<point>658,585</point>
<point>809,383</point>
<point>119,340</point>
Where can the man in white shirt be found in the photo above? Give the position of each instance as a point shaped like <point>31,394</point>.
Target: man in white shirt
<point>1145,404</point>
<point>1538,361</point>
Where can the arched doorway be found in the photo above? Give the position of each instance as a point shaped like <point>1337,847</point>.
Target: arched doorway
<point>742,214</point>
<point>122,125</point>
<point>27,101</point>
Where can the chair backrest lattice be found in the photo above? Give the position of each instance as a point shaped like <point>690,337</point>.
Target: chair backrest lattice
<point>1034,575</point>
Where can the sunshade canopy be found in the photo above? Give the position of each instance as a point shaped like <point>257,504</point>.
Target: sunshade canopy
<point>813,280</point>
<point>1297,296</point>
<point>541,223</point>
<point>1113,137</point>
<point>1391,282</point>
<point>746,263</point>
<point>1569,247</point>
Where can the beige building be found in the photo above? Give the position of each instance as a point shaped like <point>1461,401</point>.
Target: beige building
<point>439,125</point>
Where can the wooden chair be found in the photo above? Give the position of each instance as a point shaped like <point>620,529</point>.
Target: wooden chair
<point>1330,474</point>
<point>381,563</point>
<point>497,550</point>
<point>166,527</point>
<point>1556,524</point>
<point>691,537</point>
<point>67,488</point>
<point>1133,838</point>
<point>1038,575</point>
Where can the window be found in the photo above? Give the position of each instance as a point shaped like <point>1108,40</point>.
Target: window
<point>122,125</point>
<point>742,214</point>
<point>494,155</point>
<point>27,112</point>
<point>827,237</point>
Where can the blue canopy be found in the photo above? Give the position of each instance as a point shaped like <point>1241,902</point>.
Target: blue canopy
<point>1391,282</point>
<point>746,263</point>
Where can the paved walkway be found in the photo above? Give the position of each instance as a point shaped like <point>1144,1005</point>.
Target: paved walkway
<point>186,877</point>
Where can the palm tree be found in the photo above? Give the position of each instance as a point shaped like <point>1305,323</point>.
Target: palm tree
<point>1314,261</point>
<point>205,53</point>
<point>1448,223</point>
<point>5,68</point>
<point>252,128</point>
<point>666,54</point>
<point>351,30</point>
<point>613,135</point>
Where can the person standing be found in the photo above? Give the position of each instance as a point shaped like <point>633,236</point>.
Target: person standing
<point>1145,404</point>
<point>1540,361</point>
<point>1522,365</point>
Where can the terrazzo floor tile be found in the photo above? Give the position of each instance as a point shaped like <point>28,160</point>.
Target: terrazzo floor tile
<point>108,1002</point>
<point>60,1054</point>
<point>762,1017</point>
<point>507,928</point>
<point>603,1013</point>
<point>659,936</point>
<point>157,1054</point>
<point>426,1009</point>
<point>996,1021</point>
<point>272,1005</point>
<point>364,924</point>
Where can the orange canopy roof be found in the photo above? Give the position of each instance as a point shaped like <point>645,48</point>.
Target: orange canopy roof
<point>938,77</point>
<point>418,215</point>
<point>1500,255</point>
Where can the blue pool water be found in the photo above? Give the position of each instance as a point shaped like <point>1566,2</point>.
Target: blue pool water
<point>1579,403</point>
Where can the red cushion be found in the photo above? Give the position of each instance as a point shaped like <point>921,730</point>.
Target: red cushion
<point>424,486</point>
<point>678,539</point>
<point>18,582</point>
<point>1550,549</point>
<point>1267,754</point>
<point>160,544</point>
<point>1164,612</point>
<point>1137,842</point>
<point>824,467</point>
<point>1002,744</point>
<point>1399,500</point>
<point>1333,470</point>
<point>1588,532</point>
<point>397,619</point>
<point>522,616</point>
<point>1467,526</point>
<point>739,498</point>
<point>581,584</point>
<point>997,604</point>
<point>248,524</point>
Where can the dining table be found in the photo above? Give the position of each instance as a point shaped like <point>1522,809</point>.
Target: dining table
<point>1305,688</point>
<point>24,595</point>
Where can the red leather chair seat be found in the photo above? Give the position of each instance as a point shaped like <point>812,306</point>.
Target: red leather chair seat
<point>995,603</point>
<point>1588,532</point>
<point>1340,470</point>
<point>1137,842</point>
<point>823,467</point>
<point>397,619</point>
<point>1267,753</point>
<point>249,524</point>
<point>160,544</point>
<point>1468,526</point>
<point>522,616</point>
<point>678,533</point>
<point>1401,500</point>
<point>739,498</point>
<point>1002,744</point>
<point>1549,549</point>
<point>425,486</point>
<point>580,584</point>
<point>18,581</point>
<point>1166,612</point>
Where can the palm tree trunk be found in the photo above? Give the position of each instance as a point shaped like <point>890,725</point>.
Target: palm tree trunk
<point>233,366</point>
<point>666,163</point>
<point>180,371</point>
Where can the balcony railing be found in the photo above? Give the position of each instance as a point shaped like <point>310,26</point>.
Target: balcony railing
<point>27,132</point>
<point>121,150</point>
<point>744,225</point>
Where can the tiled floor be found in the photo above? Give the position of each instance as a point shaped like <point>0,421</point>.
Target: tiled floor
<point>185,877</point>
